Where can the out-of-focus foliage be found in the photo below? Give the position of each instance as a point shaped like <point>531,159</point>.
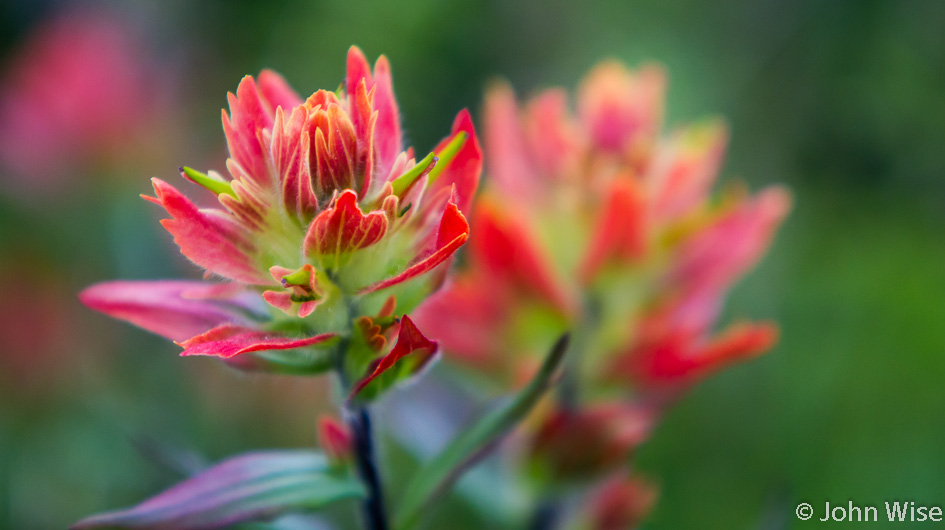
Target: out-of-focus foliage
<point>839,100</point>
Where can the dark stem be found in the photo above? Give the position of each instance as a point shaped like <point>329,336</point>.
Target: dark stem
<point>359,421</point>
<point>375,518</point>
<point>546,516</point>
<point>568,389</point>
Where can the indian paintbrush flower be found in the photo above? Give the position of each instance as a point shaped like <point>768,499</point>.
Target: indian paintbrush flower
<point>595,228</point>
<point>619,242</point>
<point>327,233</point>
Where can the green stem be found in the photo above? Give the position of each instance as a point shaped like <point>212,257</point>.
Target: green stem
<point>548,512</point>
<point>473,444</point>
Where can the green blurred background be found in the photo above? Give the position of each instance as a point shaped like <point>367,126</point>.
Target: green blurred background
<point>842,101</point>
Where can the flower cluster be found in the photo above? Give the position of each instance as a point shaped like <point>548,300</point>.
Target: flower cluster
<point>326,234</point>
<point>596,233</point>
<point>618,242</point>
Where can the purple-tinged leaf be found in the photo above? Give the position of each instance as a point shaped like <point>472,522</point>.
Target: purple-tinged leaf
<point>250,487</point>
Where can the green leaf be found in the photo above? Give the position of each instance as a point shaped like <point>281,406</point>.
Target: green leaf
<point>300,362</point>
<point>216,185</point>
<point>448,154</point>
<point>446,468</point>
<point>402,183</point>
<point>251,487</point>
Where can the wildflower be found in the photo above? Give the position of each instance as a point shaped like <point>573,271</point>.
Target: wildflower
<point>327,234</point>
<point>619,241</point>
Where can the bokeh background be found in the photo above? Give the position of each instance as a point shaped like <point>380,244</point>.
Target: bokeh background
<point>843,101</point>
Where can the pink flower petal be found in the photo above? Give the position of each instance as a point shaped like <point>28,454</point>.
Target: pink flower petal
<point>209,238</point>
<point>275,92</point>
<point>281,300</point>
<point>290,294</point>
<point>358,68</point>
<point>409,341</point>
<point>466,304</point>
<point>334,438</point>
<point>464,170</point>
<point>388,140</point>
<point>228,341</point>
<point>247,118</point>
<point>365,123</point>
<point>505,248</point>
<point>619,108</point>
<point>290,149</point>
<point>174,309</point>
<point>336,153</point>
<point>453,232</point>
<point>676,360</point>
<point>621,230</point>
<point>388,135</point>
<point>510,168</point>
<point>684,169</point>
<point>553,136</point>
<point>344,228</point>
<point>717,255</point>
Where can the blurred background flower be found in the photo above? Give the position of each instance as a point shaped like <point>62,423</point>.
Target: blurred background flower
<point>80,93</point>
<point>622,244</point>
<point>841,101</point>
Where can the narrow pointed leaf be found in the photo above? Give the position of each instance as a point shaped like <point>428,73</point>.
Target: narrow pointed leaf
<point>447,154</point>
<point>446,468</point>
<point>403,182</point>
<point>215,185</point>
<point>250,487</point>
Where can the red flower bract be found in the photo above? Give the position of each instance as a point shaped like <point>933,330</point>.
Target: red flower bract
<point>325,218</point>
<point>617,241</point>
<point>595,224</point>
